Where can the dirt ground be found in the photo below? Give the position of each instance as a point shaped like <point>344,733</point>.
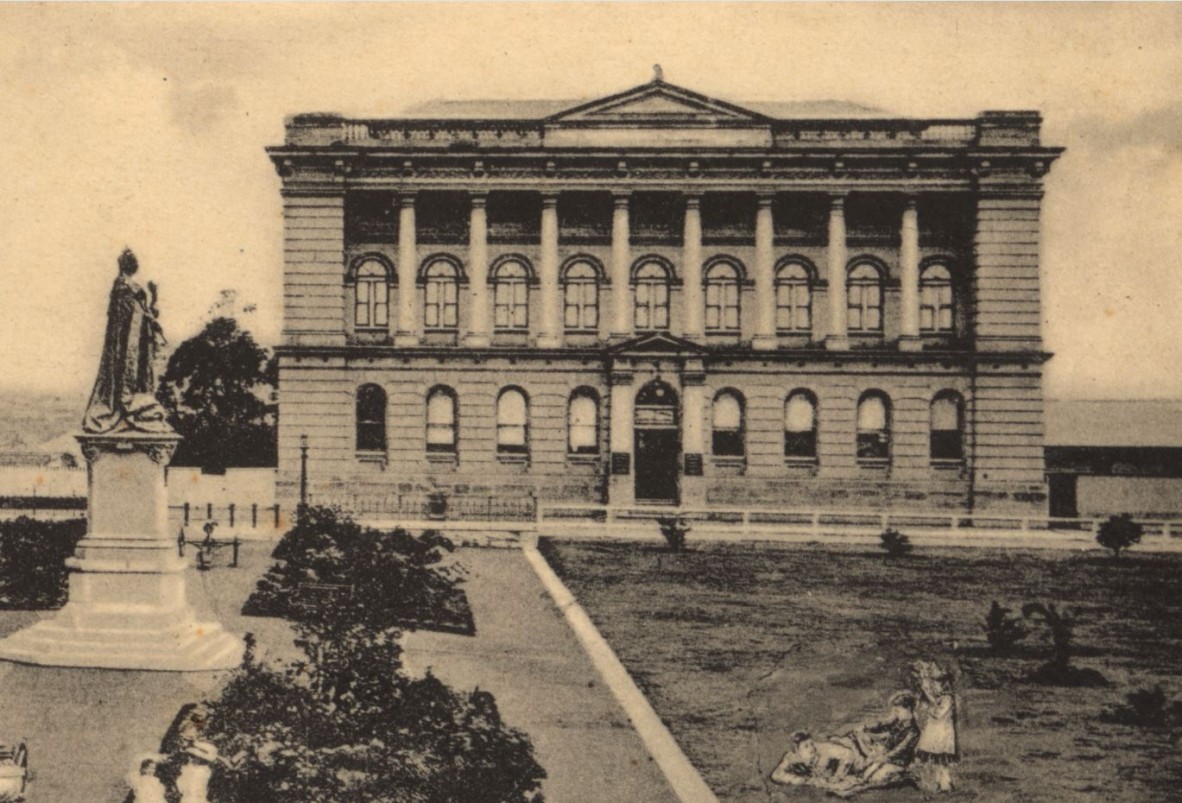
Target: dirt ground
<point>738,646</point>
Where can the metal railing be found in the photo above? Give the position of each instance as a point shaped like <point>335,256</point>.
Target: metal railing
<point>420,505</point>
<point>822,521</point>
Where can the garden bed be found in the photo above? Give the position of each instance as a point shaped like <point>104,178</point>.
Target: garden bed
<point>33,554</point>
<point>739,645</point>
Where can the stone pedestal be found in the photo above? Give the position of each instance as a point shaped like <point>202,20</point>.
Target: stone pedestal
<point>127,605</point>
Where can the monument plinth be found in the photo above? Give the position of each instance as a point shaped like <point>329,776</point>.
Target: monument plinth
<point>128,607</point>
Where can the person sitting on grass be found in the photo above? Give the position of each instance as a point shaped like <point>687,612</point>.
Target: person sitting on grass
<point>815,762</point>
<point>875,755</point>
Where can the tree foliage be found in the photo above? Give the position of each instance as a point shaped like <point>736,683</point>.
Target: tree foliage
<point>1119,533</point>
<point>33,574</point>
<point>346,722</point>
<point>329,568</point>
<point>217,390</point>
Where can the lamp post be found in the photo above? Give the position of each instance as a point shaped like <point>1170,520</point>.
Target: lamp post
<point>303,469</point>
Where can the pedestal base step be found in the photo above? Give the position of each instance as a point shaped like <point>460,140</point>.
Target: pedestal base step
<point>200,647</point>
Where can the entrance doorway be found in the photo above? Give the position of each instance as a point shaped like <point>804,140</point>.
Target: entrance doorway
<point>657,442</point>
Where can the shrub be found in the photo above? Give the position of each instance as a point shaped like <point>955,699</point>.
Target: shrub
<point>1002,631</point>
<point>1119,533</point>
<point>1061,626</point>
<point>674,529</point>
<point>894,543</point>
<point>1149,708</point>
<point>346,725</point>
<point>33,554</point>
<point>330,567</point>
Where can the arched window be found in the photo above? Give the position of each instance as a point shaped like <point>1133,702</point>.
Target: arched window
<point>800,425</point>
<point>512,422</point>
<point>865,298</point>
<point>947,426</point>
<point>874,426</point>
<point>727,422</point>
<point>794,300</point>
<point>652,296</point>
<point>511,295</point>
<point>441,420</point>
<point>582,427</point>
<point>722,297</point>
<point>371,419</point>
<point>581,296</point>
<point>440,303</point>
<point>371,308</point>
<point>935,299</point>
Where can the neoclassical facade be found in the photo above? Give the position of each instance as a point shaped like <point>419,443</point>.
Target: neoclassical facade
<point>662,297</point>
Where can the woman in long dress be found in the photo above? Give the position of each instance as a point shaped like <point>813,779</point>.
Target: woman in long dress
<point>124,396</point>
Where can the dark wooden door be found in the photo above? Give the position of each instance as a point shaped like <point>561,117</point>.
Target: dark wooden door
<point>1063,500</point>
<point>657,451</point>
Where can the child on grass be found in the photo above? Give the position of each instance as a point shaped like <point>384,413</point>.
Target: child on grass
<point>937,748</point>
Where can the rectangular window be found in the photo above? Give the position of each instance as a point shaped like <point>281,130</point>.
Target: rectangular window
<point>361,317</point>
<point>874,445</point>
<point>800,444</point>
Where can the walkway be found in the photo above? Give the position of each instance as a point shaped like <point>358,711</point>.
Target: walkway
<point>544,683</point>
<point>85,726</point>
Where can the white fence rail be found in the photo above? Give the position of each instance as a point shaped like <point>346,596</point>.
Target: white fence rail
<point>818,522</point>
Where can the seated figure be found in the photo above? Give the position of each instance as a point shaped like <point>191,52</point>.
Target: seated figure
<point>876,754</point>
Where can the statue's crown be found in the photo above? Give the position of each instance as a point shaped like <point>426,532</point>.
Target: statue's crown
<point>127,261</point>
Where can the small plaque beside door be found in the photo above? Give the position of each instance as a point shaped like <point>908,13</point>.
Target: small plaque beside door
<point>693,465</point>
<point>621,464</point>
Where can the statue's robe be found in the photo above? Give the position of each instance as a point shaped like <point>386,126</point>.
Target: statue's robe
<point>124,395</point>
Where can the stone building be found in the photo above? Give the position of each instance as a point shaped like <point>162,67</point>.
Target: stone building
<point>659,296</point>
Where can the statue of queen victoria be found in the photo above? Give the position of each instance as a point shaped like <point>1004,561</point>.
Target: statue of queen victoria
<point>124,396</point>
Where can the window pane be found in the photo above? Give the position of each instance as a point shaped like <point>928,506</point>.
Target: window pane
<point>583,419</point>
<point>945,414</point>
<point>381,313</point>
<point>728,413</point>
<point>511,408</point>
<point>799,414</point>
<point>800,444</point>
<point>872,414</point>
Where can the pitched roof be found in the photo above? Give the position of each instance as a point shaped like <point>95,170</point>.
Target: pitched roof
<point>1155,422</point>
<point>492,109</point>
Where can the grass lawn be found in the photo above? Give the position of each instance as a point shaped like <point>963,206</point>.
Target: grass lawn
<point>739,645</point>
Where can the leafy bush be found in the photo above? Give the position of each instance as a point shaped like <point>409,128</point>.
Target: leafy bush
<point>674,529</point>
<point>894,543</point>
<point>1119,533</point>
<point>330,567</point>
<point>33,554</point>
<point>1149,708</point>
<point>1002,631</point>
<point>1061,626</point>
<point>347,725</point>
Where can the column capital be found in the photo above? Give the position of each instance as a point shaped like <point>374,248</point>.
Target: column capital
<point>765,197</point>
<point>693,198</point>
<point>620,377</point>
<point>620,198</point>
<point>549,197</point>
<point>910,201</point>
<point>406,197</point>
<point>478,198</point>
<point>837,200</point>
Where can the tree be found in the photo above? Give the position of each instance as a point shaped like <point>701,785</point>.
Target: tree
<point>217,390</point>
<point>1119,532</point>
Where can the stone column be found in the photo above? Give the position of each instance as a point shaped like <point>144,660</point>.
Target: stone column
<point>127,606</point>
<point>693,484</point>
<point>478,328</point>
<point>838,338</point>
<point>909,276</point>
<point>621,486</point>
<point>408,264</point>
<point>621,266</point>
<point>691,268</point>
<point>765,283</point>
<point>550,335</point>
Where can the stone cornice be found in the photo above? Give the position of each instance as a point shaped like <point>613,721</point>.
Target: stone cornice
<point>707,354</point>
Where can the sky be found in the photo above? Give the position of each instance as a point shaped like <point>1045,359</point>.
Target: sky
<point>144,125</point>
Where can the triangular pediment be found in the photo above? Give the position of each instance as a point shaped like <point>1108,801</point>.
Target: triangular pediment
<point>654,101</point>
<point>657,343</point>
